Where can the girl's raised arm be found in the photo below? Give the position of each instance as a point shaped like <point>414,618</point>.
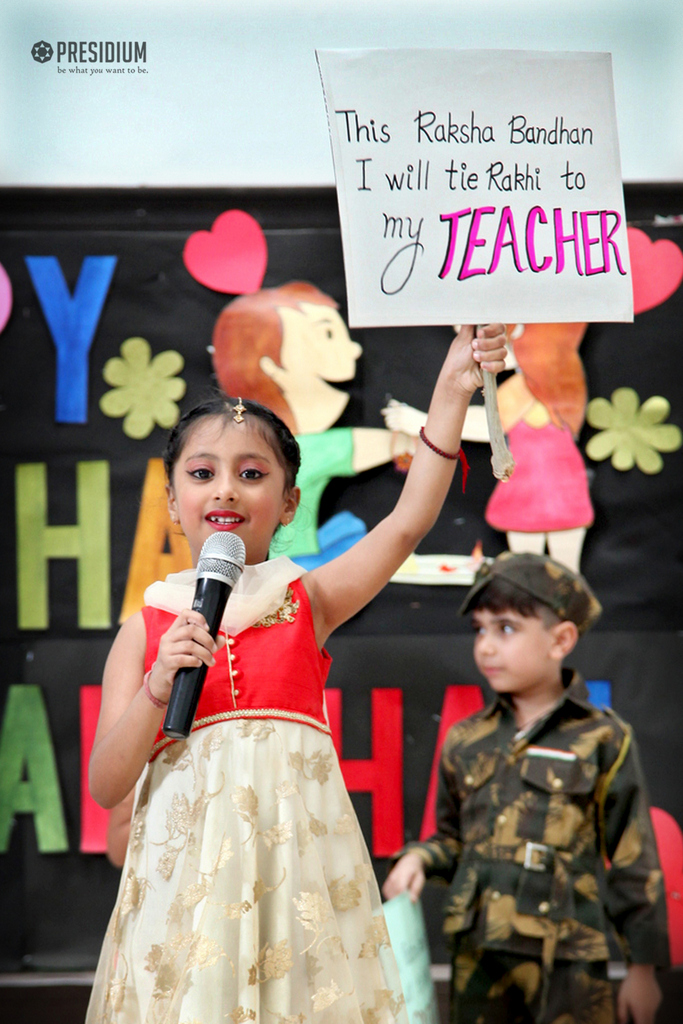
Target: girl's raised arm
<point>342,587</point>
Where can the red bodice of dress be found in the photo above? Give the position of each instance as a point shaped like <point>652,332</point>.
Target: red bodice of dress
<point>274,669</point>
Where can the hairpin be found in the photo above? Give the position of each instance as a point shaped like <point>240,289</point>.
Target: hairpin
<point>238,410</point>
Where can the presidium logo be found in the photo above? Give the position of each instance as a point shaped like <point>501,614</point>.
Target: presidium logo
<point>99,52</point>
<point>42,52</point>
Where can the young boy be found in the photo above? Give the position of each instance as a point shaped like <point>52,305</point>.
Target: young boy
<point>535,793</point>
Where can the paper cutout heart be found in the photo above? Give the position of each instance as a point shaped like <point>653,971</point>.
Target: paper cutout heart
<point>231,257</point>
<point>5,297</point>
<point>656,268</point>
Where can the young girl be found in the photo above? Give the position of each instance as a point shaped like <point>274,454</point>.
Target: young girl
<point>247,893</point>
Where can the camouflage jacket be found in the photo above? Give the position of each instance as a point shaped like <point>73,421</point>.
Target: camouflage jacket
<point>546,839</point>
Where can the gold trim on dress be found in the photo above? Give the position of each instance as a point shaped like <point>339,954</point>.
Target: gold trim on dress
<point>225,716</point>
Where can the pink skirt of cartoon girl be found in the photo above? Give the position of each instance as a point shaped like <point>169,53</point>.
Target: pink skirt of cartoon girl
<point>548,490</point>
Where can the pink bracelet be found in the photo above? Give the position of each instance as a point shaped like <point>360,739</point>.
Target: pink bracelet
<point>155,700</point>
<point>460,455</point>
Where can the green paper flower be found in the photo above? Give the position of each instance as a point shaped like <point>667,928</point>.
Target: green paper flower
<point>145,390</point>
<point>631,433</point>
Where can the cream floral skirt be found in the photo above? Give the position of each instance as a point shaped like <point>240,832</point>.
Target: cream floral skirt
<point>247,892</point>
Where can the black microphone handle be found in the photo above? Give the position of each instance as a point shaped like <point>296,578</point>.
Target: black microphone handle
<point>210,598</point>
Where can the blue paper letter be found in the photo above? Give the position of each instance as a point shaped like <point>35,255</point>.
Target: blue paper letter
<point>72,320</point>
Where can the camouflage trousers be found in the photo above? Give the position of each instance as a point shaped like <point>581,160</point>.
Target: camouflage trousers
<point>491,987</point>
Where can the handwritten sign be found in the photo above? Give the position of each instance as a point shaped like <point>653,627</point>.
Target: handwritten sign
<point>406,926</point>
<point>477,185</point>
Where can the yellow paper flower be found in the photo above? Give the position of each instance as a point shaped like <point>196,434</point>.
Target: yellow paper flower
<point>632,434</point>
<point>145,390</point>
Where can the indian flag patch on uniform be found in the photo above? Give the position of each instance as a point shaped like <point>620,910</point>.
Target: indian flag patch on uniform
<point>556,755</point>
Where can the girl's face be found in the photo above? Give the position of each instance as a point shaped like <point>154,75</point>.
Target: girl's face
<point>228,477</point>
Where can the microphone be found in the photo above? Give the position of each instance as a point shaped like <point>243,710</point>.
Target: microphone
<point>221,561</point>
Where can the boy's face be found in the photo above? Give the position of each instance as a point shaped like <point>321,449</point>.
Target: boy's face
<point>518,654</point>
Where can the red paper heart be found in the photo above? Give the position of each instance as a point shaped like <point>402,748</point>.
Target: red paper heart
<point>231,257</point>
<point>656,269</point>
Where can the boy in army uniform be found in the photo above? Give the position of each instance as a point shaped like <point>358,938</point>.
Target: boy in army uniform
<point>536,793</point>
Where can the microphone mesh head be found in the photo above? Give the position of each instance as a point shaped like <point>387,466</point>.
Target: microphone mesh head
<point>222,555</point>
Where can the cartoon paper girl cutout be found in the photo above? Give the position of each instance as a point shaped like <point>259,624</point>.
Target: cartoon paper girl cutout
<point>284,347</point>
<point>542,409</point>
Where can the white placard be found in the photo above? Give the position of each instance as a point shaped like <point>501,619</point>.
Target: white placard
<point>478,185</point>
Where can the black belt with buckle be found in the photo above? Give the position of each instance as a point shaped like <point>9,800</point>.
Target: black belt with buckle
<point>538,857</point>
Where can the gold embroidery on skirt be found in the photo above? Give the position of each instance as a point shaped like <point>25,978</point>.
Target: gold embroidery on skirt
<point>233,911</point>
<point>344,895</point>
<point>286,789</point>
<point>346,825</point>
<point>260,887</point>
<point>180,820</point>
<point>259,728</point>
<point>376,936</point>
<point>318,827</point>
<point>384,1001</point>
<point>319,765</point>
<point>240,1015</point>
<point>315,912</point>
<point>272,962</point>
<point>246,802</point>
<point>313,967</point>
<point>324,997</point>
<point>304,836</point>
<point>279,834</point>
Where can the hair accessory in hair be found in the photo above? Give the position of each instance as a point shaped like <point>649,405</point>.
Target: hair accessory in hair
<point>238,410</point>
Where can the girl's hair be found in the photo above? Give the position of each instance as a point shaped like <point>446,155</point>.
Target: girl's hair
<point>548,357</point>
<point>248,329</point>
<point>276,433</point>
<point>500,596</point>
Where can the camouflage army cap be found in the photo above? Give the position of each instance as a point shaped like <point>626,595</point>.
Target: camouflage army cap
<point>567,593</point>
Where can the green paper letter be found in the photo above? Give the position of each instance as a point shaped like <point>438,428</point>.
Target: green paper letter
<point>28,771</point>
<point>87,541</point>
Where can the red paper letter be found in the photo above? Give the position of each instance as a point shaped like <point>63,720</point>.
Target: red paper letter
<point>382,774</point>
<point>459,702</point>
<point>94,819</point>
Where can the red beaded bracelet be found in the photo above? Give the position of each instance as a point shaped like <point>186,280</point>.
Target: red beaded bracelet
<point>146,687</point>
<point>460,455</point>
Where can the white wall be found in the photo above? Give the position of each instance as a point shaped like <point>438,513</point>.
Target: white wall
<point>232,94</point>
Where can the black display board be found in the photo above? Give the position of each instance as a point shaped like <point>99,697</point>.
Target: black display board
<point>54,905</point>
